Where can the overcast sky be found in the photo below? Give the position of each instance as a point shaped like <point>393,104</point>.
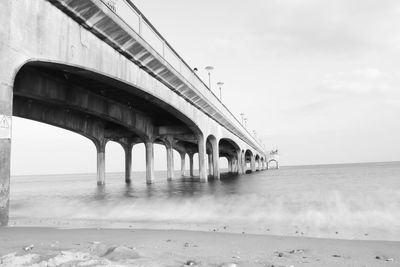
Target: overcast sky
<point>318,79</point>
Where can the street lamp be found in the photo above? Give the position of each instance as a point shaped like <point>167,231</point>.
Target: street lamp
<point>220,84</point>
<point>242,115</point>
<point>209,69</point>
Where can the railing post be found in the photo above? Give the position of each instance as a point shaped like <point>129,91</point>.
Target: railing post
<point>140,25</point>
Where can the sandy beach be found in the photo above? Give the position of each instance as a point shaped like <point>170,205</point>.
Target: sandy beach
<point>34,246</point>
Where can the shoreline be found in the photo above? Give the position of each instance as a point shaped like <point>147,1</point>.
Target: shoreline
<point>143,247</point>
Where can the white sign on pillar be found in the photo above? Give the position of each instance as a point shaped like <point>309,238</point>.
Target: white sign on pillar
<point>5,126</point>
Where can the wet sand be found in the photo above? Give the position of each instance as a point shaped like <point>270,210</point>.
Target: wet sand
<point>34,246</point>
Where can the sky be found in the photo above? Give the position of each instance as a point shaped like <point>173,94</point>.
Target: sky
<point>317,79</point>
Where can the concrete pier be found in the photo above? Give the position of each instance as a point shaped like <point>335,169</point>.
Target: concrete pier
<point>183,163</point>
<point>149,162</point>
<point>253,164</point>
<point>170,162</point>
<point>101,162</point>
<point>128,162</point>
<point>5,151</point>
<point>215,158</point>
<point>202,159</point>
<point>191,164</point>
<point>97,76</point>
<point>210,165</point>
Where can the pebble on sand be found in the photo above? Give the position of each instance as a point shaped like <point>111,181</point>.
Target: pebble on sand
<point>384,258</point>
<point>28,248</point>
<point>229,265</point>
<point>190,263</point>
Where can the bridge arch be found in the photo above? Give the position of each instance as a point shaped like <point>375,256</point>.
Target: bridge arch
<point>249,161</point>
<point>104,81</point>
<point>257,162</point>
<point>229,149</point>
<point>98,107</point>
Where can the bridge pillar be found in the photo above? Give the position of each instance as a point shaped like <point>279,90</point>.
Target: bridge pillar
<point>191,154</point>
<point>244,164</point>
<point>235,165</point>
<point>9,60</point>
<point>238,163</point>
<point>128,162</point>
<point>101,161</point>
<point>183,163</point>
<point>5,150</point>
<point>5,157</point>
<point>202,159</point>
<point>149,161</point>
<point>170,163</point>
<point>253,163</point>
<point>230,165</point>
<point>215,158</point>
<point>210,165</point>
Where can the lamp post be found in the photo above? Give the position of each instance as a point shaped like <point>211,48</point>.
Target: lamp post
<point>220,84</point>
<point>242,115</point>
<point>209,69</point>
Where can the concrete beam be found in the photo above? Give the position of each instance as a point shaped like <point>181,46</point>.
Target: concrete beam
<point>38,86</point>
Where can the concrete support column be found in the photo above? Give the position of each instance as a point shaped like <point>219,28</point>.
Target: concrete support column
<point>253,163</point>
<point>239,163</point>
<point>191,164</point>
<point>235,166</point>
<point>149,161</point>
<point>170,162</point>
<point>8,66</point>
<point>210,165</point>
<point>215,157</point>
<point>244,163</point>
<point>6,99</point>
<point>229,165</point>
<point>183,163</point>
<point>5,158</point>
<point>128,162</point>
<point>202,159</point>
<point>101,161</point>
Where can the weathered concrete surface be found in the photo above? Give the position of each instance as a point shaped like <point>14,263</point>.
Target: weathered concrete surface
<point>55,69</point>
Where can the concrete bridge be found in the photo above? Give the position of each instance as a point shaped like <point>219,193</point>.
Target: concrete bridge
<point>100,69</point>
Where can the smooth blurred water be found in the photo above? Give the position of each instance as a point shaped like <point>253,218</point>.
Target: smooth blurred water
<point>359,201</point>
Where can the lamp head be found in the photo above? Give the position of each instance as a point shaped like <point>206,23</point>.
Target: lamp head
<point>209,68</point>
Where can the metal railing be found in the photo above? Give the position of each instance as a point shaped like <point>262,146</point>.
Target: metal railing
<point>135,19</point>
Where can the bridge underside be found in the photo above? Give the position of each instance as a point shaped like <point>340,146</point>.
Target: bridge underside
<point>56,71</point>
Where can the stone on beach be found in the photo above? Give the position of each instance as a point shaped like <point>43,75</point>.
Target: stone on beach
<point>121,253</point>
<point>229,265</point>
<point>114,253</point>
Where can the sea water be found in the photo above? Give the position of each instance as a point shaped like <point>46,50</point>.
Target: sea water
<point>349,201</point>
